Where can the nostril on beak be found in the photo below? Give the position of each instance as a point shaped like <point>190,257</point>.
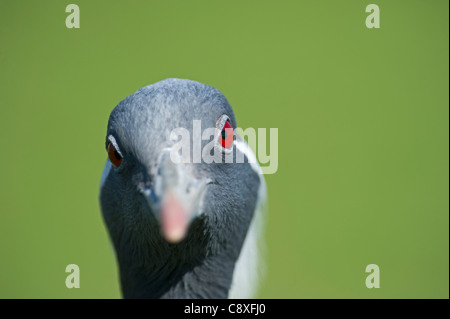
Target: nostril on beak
<point>211,182</point>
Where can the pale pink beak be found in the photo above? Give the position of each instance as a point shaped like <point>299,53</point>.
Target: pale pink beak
<point>174,219</point>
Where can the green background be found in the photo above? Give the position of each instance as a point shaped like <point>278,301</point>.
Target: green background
<point>362,118</point>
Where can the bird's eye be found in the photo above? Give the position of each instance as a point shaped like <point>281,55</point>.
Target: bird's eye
<point>114,156</point>
<point>226,137</point>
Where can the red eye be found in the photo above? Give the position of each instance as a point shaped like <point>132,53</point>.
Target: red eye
<point>226,137</point>
<point>114,156</point>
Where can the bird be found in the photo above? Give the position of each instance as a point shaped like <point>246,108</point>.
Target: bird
<point>182,228</point>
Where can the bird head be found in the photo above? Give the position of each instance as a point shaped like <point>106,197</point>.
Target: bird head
<point>150,193</point>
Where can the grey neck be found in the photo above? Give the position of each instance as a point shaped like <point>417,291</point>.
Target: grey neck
<point>206,277</point>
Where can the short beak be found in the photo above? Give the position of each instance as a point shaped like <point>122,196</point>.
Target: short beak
<point>174,198</point>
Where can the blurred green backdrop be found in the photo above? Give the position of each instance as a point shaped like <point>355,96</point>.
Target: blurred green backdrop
<point>363,134</point>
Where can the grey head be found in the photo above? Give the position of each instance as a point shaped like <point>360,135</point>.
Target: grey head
<point>177,226</point>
